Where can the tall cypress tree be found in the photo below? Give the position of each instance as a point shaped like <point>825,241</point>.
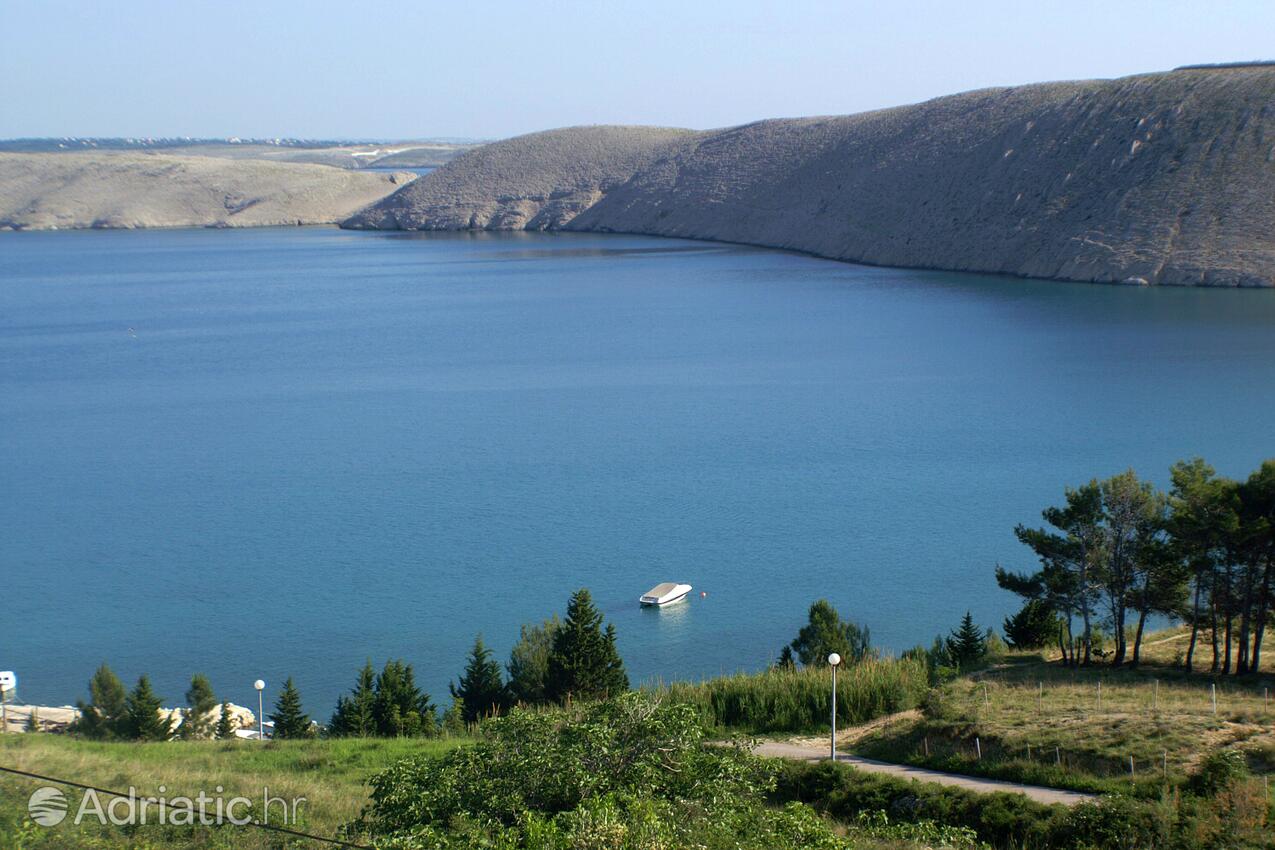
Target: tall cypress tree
<point>103,715</point>
<point>355,715</point>
<point>584,663</point>
<point>200,704</point>
<point>141,721</point>
<point>481,689</point>
<point>288,718</point>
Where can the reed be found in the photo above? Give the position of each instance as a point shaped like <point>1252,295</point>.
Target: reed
<point>798,700</point>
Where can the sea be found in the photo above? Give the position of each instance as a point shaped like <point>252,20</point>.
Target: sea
<point>284,451</point>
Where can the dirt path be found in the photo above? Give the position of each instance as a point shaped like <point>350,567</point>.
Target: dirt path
<point>807,750</point>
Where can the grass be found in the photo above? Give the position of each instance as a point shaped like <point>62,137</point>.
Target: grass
<point>797,700</point>
<point>1040,722</point>
<point>330,774</point>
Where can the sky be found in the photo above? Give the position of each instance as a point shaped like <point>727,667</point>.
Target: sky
<point>420,68</point>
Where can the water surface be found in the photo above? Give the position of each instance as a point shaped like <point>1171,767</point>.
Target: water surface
<point>282,451</point>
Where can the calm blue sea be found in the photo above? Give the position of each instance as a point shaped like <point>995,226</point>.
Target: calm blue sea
<point>282,451</point>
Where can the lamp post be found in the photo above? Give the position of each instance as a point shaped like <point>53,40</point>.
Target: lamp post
<point>833,661</point>
<point>261,717</point>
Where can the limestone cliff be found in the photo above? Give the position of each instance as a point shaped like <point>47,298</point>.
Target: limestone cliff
<point>1158,179</point>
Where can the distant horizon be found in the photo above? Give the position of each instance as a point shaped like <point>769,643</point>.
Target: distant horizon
<point>312,71</point>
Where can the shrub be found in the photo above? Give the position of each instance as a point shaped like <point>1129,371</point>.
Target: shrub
<point>629,772</point>
<point>785,699</point>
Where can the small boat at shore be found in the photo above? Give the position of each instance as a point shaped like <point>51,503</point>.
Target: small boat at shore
<point>665,594</point>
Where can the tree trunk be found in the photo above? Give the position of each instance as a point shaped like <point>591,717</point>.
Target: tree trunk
<point>1137,638</point>
<point>1263,613</point>
<point>1195,625</point>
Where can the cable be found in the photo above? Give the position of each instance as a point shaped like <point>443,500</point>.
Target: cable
<point>266,826</point>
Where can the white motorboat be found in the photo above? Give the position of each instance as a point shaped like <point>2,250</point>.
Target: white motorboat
<point>665,594</point>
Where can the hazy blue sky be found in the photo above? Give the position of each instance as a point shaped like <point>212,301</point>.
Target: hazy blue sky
<point>455,68</point>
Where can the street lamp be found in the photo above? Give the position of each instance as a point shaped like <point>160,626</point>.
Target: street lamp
<point>833,661</point>
<point>261,717</point>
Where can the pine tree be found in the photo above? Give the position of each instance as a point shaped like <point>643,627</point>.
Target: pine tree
<point>142,721</point>
<point>1035,625</point>
<point>825,633</point>
<point>225,724</point>
<point>584,663</point>
<point>786,660</point>
<point>967,644</point>
<point>200,703</point>
<point>481,689</point>
<point>288,718</point>
<point>355,715</point>
<point>401,709</point>
<point>33,721</point>
<point>529,662</point>
<point>103,715</point>
<point>453,722</point>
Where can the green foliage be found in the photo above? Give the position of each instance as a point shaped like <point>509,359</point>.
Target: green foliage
<point>1003,820</point>
<point>141,720</point>
<point>225,724</point>
<point>1035,625</point>
<point>796,700</point>
<point>102,716</point>
<point>355,715</point>
<point>584,663</point>
<point>529,662</point>
<point>481,690</point>
<point>967,644</point>
<point>1219,771</point>
<point>825,632</point>
<point>453,722</point>
<point>200,704</point>
<point>288,718</point>
<point>401,709</point>
<point>628,772</point>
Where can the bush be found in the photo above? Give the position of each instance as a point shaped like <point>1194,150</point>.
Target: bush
<point>629,772</point>
<point>1004,820</point>
<point>797,700</point>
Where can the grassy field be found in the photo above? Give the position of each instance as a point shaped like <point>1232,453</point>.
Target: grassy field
<point>1037,721</point>
<point>329,774</point>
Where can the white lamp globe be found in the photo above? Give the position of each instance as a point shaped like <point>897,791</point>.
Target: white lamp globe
<point>259,685</point>
<point>834,659</point>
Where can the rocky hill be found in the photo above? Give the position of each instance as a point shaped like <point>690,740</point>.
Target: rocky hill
<point>123,190</point>
<point>1153,179</point>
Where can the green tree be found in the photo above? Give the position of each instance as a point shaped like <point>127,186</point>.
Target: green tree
<point>142,720</point>
<point>401,709</point>
<point>288,718</point>
<point>584,662</point>
<point>200,704</point>
<point>225,723</point>
<point>481,688</point>
<point>1256,545</point>
<point>967,645</point>
<point>529,662</point>
<point>1203,521</point>
<point>102,717</point>
<point>453,722</point>
<point>825,633</point>
<point>786,659</point>
<point>355,715</point>
<point>1035,625</point>
<point>1069,579</point>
